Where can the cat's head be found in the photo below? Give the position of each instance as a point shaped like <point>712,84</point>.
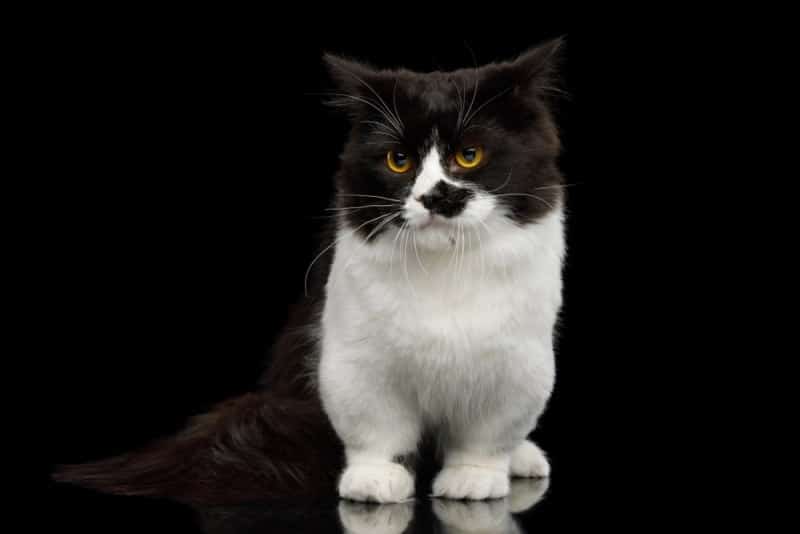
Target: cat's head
<point>441,152</point>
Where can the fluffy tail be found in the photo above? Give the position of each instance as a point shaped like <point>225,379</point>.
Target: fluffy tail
<point>254,447</point>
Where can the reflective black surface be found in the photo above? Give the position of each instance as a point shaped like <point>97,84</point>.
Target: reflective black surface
<point>524,510</point>
<point>171,227</point>
<point>576,496</point>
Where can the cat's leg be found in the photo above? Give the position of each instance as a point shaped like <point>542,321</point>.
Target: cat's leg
<point>484,446</point>
<point>478,453</point>
<point>372,472</point>
<point>529,461</point>
<point>376,426</point>
<point>475,471</point>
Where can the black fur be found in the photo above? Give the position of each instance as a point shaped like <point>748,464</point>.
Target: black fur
<point>445,199</point>
<point>503,107</point>
<point>277,441</point>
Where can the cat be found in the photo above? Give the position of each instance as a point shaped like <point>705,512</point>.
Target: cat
<point>429,309</point>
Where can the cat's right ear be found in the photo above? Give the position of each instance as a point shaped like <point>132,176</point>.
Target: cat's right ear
<point>353,82</point>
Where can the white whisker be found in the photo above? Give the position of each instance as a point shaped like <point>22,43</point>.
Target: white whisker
<point>463,250</point>
<point>540,199</point>
<point>394,102</point>
<point>416,251</point>
<point>405,263</point>
<point>508,179</point>
<point>326,249</point>
<point>396,126</point>
<point>347,208</point>
<point>483,258</point>
<point>502,251</point>
<point>486,103</point>
<point>381,225</point>
<point>382,128</point>
<point>394,245</point>
<point>394,116</point>
<point>369,196</point>
<point>369,236</point>
<point>555,186</point>
<point>452,262</point>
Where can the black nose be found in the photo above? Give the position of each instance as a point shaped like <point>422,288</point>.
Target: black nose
<point>445,199</point>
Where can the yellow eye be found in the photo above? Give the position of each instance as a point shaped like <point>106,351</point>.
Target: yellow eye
<point>398,162</point>
<point>469,157</point>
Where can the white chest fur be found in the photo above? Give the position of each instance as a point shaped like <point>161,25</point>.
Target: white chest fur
<point>436,325</point>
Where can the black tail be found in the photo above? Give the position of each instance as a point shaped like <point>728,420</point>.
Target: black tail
<point>255,447</point>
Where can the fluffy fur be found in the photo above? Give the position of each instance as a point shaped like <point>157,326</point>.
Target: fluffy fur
<point>430,310</point>
<point>446,282</point>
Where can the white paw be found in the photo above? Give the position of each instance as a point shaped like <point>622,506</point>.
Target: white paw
<point>529,461</point>
<point>359,518</point>
<point>383,483</point>
<point>468,482</point>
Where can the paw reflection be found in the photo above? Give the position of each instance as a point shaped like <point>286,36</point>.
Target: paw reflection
<point>364,518</point>
<point>525,493</point>
<point>314,517</point>
<point>493,516</point>
<point>474,516</point>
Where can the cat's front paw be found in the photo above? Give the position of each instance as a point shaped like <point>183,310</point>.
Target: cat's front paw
<point>528,461</point>
<point>470,482</point>
<point>379,482</point>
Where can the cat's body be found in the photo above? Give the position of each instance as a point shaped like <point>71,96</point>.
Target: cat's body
<point>458,344</point>
<point>431,310</point>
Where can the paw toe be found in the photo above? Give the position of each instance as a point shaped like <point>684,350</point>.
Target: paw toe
<point>529,461</point>
<point>383,483</point>
<point>474,483</point>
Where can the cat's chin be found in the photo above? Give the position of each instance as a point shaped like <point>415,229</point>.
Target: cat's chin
<point>436,225</point>
<point>436,239</point>
<point>441,235</point>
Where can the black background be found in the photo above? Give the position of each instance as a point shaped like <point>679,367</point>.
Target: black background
<point>177,174</point>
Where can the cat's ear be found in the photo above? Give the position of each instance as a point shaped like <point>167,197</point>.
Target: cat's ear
<point>354,81</point>
<point>536,71</point>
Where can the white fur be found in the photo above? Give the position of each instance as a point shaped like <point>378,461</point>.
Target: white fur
<point>446,324</point>
<point>528,461</point>
<point>383,482</point>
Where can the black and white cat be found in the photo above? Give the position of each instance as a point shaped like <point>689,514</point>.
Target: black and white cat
<point>430,311</point>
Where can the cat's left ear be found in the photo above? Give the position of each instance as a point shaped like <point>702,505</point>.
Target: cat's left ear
<point>536,71</point>
<point>354,81</point>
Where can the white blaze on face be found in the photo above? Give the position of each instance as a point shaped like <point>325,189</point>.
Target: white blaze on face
<point>431,173</point>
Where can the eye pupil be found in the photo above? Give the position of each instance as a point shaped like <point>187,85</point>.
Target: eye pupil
<point>469,157</point>
<point>398,162</point>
